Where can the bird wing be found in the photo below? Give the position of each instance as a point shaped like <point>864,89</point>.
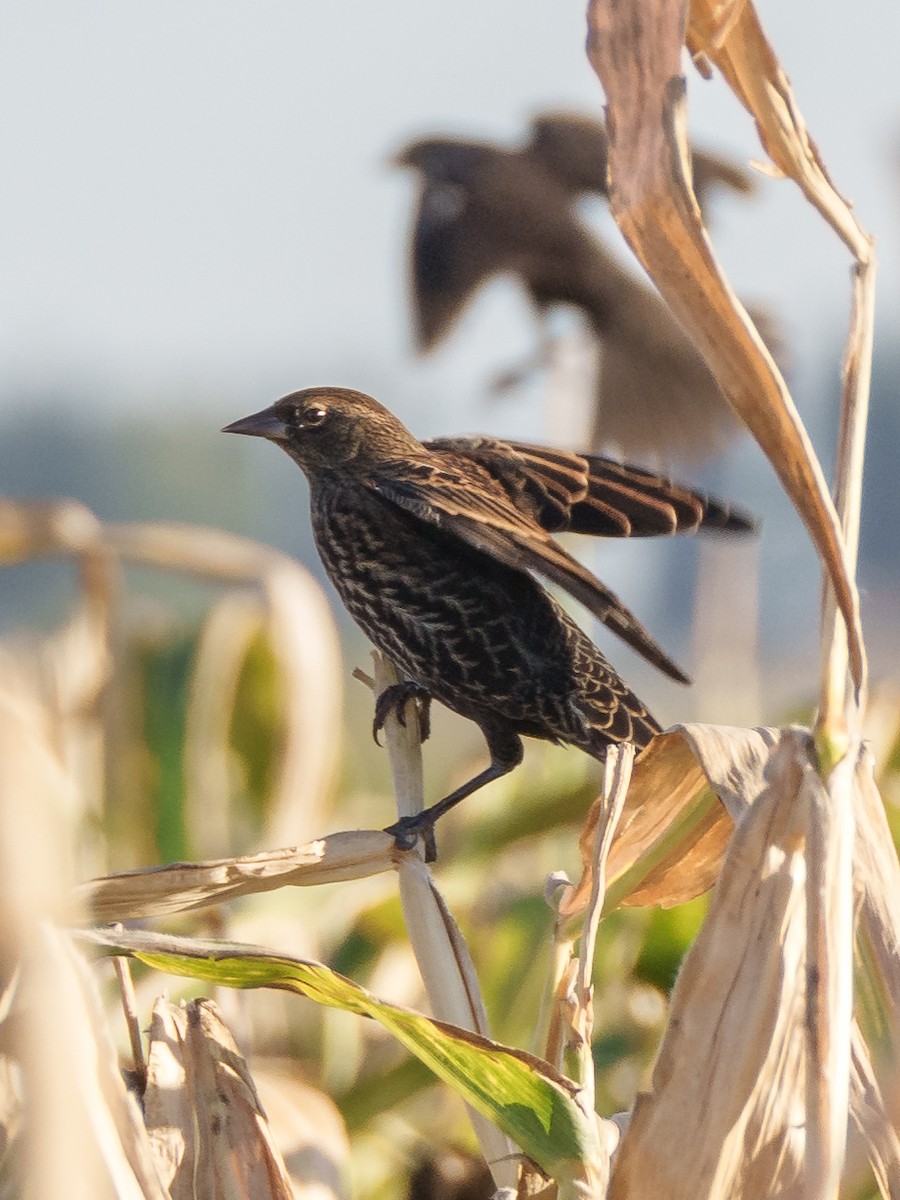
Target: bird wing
<point>458,494</point>
<point>586,493</point>
<point>574,148</point>
<point>450,260</point>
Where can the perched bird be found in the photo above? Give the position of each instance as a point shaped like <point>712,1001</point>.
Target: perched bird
<point>484,210</point>
<point>432,545</point>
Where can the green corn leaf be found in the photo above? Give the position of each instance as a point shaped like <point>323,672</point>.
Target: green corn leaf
<point>524,1096</point>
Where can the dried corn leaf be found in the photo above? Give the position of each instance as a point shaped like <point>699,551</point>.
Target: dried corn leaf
<point>876,1125</point>
<point>728,1112</point>
<point>635,47</point>
<point>570,1026</point>
<point>687,791</point>
<point>298,622</point>
<point>226,636</point>
<point>877,885</point>
<point>36,529</point>
<point>829,971</point>
<point>206,1125</point>
<point>731,37</point>
<point>158,891</point>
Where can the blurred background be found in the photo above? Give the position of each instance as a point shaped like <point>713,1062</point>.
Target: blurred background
<point>200,215</point>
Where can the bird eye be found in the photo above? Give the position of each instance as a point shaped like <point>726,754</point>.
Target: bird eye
<point>311,415</point>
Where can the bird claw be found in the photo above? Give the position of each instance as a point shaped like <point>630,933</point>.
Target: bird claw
<point>394,699</point>
<point>407,831</point>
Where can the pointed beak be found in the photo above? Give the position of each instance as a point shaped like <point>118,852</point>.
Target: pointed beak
<point>263,424</point>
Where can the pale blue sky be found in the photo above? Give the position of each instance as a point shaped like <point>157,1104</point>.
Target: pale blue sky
<point>195,198</point>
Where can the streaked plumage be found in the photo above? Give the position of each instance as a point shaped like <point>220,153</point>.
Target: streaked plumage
<point>431,546</point>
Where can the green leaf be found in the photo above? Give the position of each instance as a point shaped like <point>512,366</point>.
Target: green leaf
<point>670,932</point>
<point>521,1094</point>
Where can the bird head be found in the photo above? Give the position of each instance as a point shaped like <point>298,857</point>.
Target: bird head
<point>330,429</point>
<point>446,160</point>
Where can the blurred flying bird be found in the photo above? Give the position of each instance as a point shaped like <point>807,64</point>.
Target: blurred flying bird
<point>432,545</point>
<point>574,149</point>
<point>484,210</point>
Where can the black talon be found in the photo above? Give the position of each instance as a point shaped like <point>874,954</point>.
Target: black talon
<point>506,753</point>
<point>394,698</point>
<point>407,830</point>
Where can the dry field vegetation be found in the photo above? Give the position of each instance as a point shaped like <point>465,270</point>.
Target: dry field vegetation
<point>772,1069</point>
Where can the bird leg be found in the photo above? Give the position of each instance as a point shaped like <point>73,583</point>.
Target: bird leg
<point>506,754</point>
<point>394,698</point>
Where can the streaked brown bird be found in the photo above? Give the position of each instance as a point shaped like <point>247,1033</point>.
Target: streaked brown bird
<point>432,545</point>
<point>484,210</point>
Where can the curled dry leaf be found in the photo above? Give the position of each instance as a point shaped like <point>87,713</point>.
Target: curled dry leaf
<point>725,1113</point>
<point>295,615</point>
<point>687,790</point>
<point>738,46</point>
<point>158,891</point>
<point>40,528</point>
<point>78,1121</point>
<point>635,47</point>
<point>67,672</point>
<point>732,38</point>
<point>570,1024</point>
<point>227,633</point>
<point>209,1134</point>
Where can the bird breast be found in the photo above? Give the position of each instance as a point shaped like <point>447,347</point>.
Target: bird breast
<point>471,630</point>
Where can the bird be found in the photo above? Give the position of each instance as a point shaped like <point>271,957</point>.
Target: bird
<point>574,148</point>
<point>435,547</point>
<point>485,210</point>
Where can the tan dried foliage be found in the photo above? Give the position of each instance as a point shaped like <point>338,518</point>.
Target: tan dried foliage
<point>205,1123</point>
<point>635,47</point>
<point>179,887</point>
<point>760,1017</point>
<point>674,830</point>
<point>732,1056</point>
<point>755,1075</point>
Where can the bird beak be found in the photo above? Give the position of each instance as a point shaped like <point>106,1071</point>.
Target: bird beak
<point>263,424</point>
